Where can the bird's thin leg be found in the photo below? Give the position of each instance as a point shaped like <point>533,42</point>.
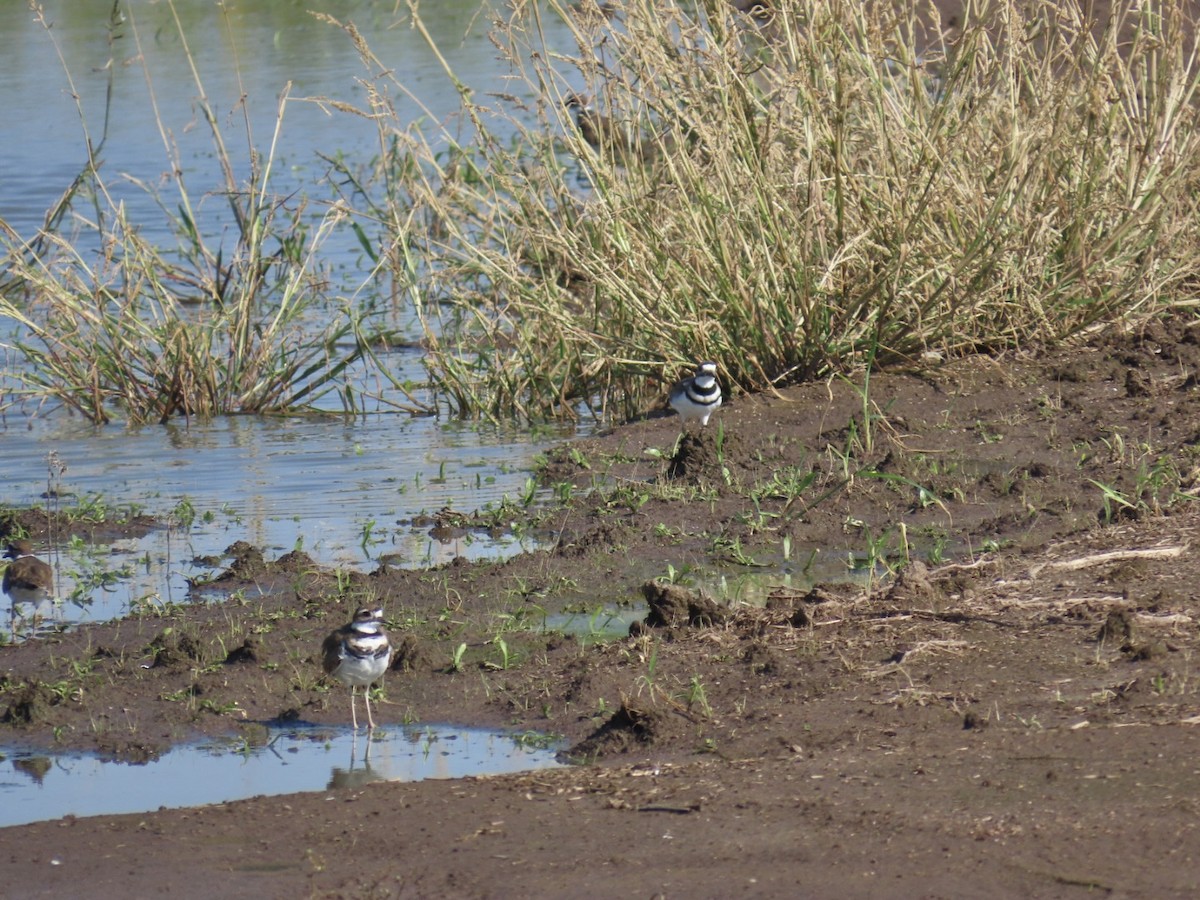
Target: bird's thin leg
<point>367,697</point>
<point>353,714</point>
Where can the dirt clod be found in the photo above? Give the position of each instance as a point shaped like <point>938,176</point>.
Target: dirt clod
<point>248,652</point>
<point>173,650</point>
<point>698,459</point>
<point>28,704</point>
<point>627,728</point>
<point>675,606</point>
<point>1117,629</point>
<point>408,654</point>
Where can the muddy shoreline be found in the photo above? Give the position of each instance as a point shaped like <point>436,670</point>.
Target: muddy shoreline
<point>1015,714</point>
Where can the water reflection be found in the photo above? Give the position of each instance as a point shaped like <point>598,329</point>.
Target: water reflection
<point>335,488</point>
<point>27,620</point>
<point>343,491</point>
<point>754,586</point>
<point>247,52</point>
<point>39,786</point>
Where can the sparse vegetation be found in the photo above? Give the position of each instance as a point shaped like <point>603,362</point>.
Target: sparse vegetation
<point>199,331</point>
<point>834,188</point>
<point>840,187</point>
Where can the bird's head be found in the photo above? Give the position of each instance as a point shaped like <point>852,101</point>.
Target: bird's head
<point>577,103</point>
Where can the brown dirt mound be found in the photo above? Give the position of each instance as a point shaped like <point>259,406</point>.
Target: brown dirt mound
<point>675,606</point>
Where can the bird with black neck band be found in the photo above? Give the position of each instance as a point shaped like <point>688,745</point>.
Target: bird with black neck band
<point>357,655</point>
<point>698,396</point>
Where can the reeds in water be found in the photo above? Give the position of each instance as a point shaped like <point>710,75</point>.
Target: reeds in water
<point>795,192</point>
<point>114,325</point>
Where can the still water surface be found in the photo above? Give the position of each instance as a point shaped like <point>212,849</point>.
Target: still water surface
<point>35,786</point>
<point>323,484</point>
<point>248,54</point>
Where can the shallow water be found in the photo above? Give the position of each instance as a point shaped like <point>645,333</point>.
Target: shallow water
<point>333,487</point>
<point>341,490</point>
<point>247,54</point>
<point>37,786</point>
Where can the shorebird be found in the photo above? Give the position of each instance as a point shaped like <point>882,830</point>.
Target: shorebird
<point>27,579</point>
<point>358,653</point>
<point>607,135</point>
<point>697,396</point>
<point>759,9</point>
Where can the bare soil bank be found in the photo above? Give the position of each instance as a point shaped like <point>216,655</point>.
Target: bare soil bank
<point>1015,715</point>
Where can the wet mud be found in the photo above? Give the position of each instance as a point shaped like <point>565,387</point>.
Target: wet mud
<point>998,699</point>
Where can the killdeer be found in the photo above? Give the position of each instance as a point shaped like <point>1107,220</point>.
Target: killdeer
<point>759,9</point>
<point>358,653</point>
<point>27,579</point>
<point>606,135</point>
<point>697,396</point>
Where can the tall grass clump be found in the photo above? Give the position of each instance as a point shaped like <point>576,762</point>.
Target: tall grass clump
<point>111,324</point>
<point>791,194</point>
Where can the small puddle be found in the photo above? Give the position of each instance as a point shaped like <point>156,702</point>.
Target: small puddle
<point>732,586</point>
<point>37,786</point>
<point>604,623</point>
<point>754,586</point>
